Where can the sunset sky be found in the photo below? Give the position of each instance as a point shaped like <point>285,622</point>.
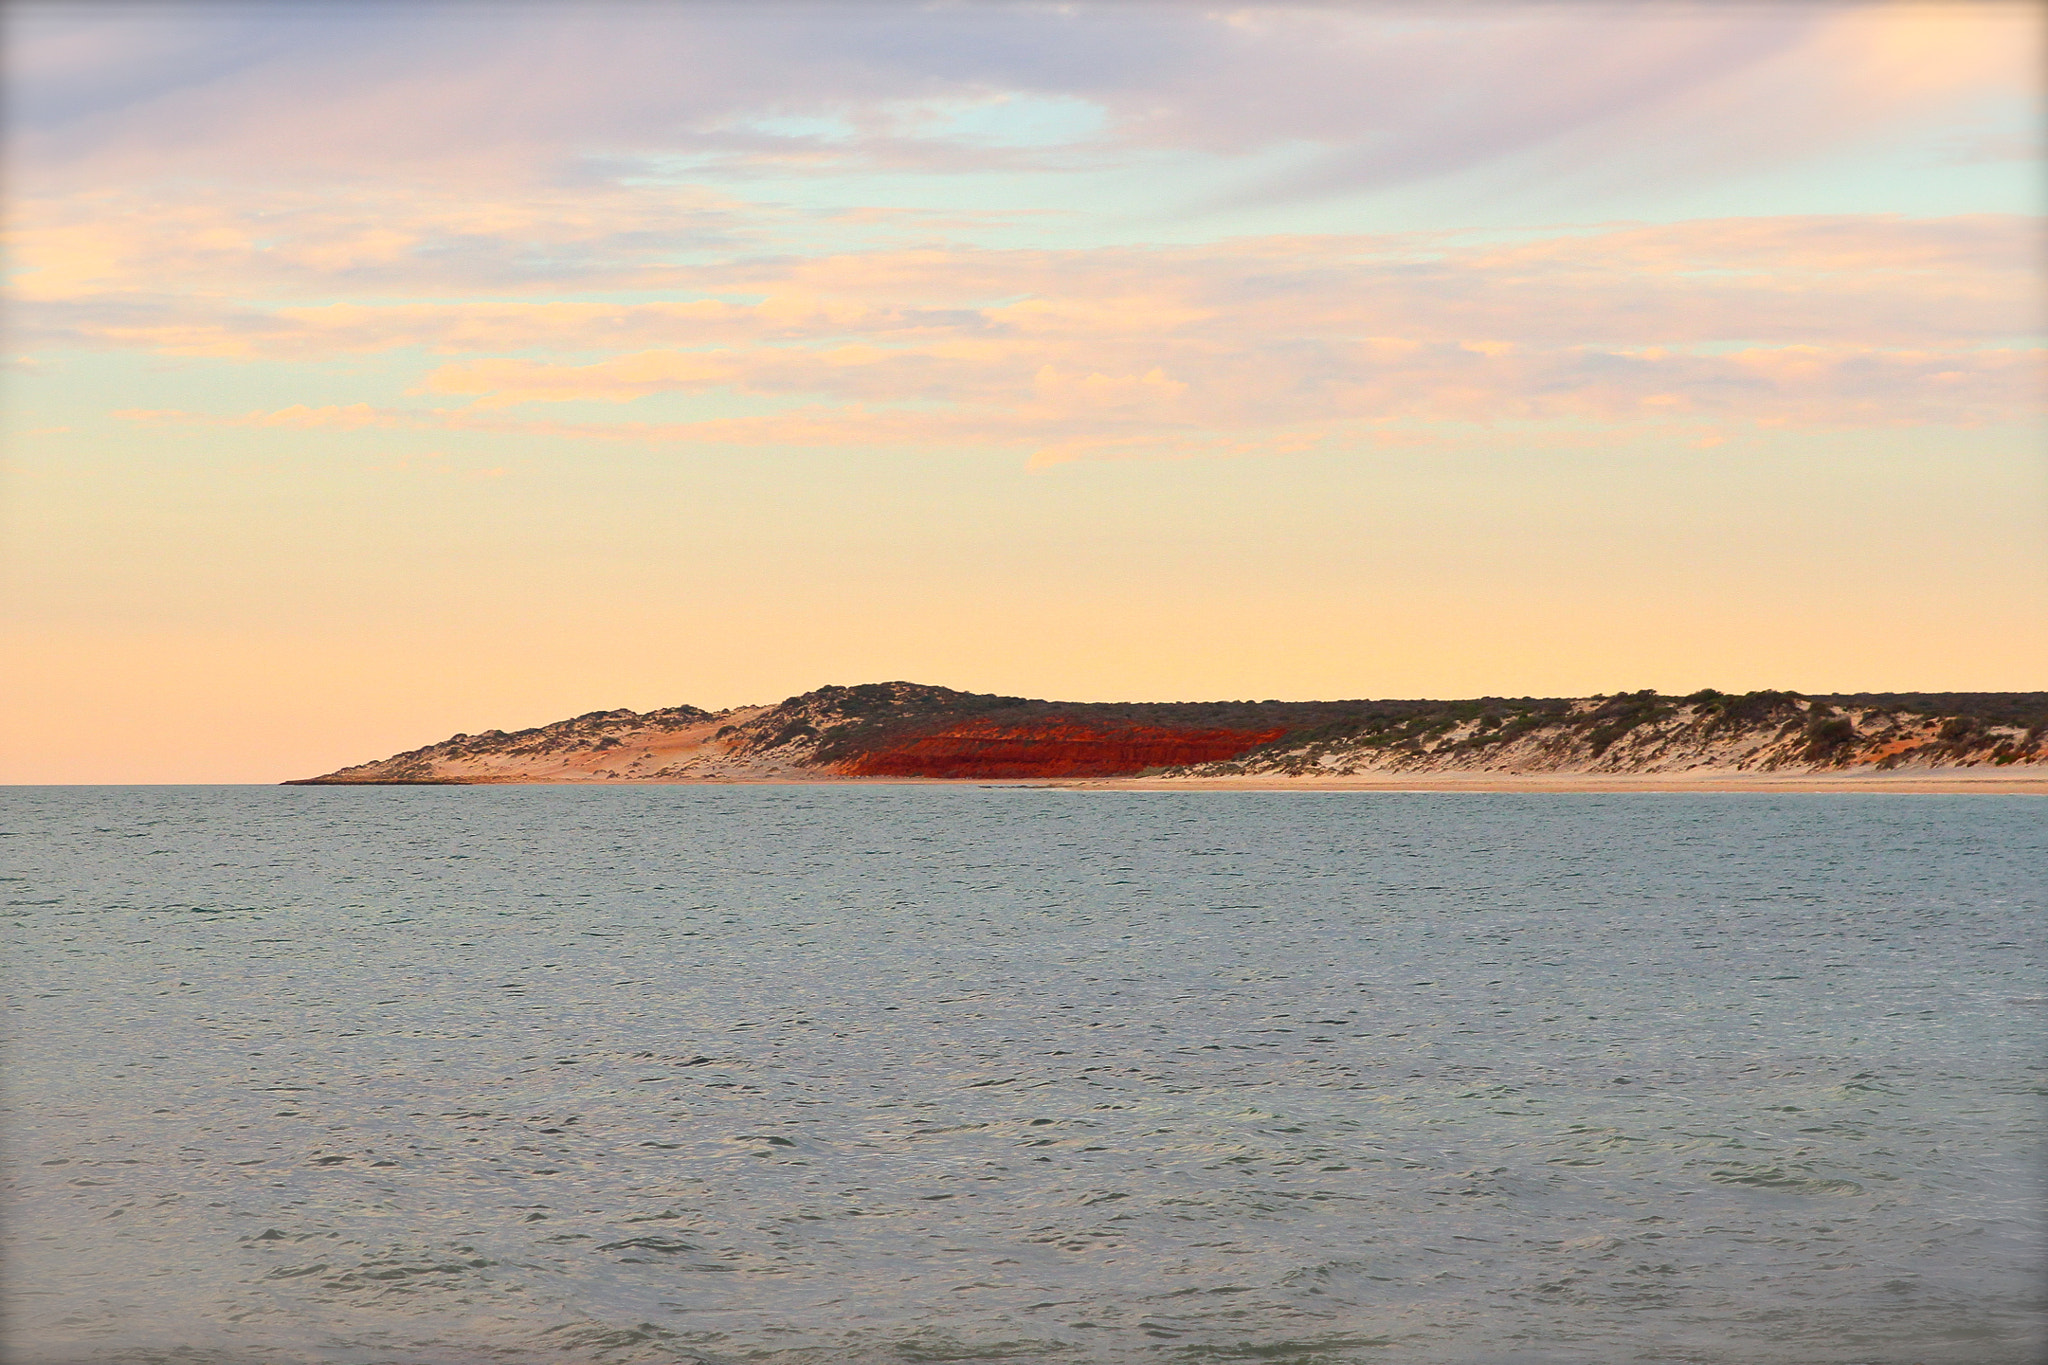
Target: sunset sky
<point>380,371</point>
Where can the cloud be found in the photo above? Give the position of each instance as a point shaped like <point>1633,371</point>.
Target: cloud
<point>1370,97</point>
<point>1597,95</point>
<point>1878,280</point>
<point>514,206</point>
<point>331,417</point>
<point>1260,342</point>
<point>1229,406</point>
<point>143,243</point>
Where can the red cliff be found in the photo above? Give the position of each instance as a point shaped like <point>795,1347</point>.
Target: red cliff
<point>1050,748</point>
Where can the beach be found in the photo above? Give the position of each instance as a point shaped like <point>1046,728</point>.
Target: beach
<point>1950,782</point>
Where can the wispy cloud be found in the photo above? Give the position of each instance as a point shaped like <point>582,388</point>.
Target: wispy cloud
<point>1373,96</point>
<point>1260,344</point>
<point>534,270</point>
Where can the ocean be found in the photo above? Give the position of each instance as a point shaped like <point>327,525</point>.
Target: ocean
<point>851,1074</point>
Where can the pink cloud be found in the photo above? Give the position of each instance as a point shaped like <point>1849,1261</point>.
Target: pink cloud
<point>1843,321</point>
<point>1376,96</point>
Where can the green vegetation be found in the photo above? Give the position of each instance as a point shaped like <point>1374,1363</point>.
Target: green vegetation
<point>2021,710</point>
<point>1824,733</point>
<point>1620,714</point>
<point>1827,736</point>
<point>1750,709</point>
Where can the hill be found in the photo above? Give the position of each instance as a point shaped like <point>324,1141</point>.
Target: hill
<point>909,730</point>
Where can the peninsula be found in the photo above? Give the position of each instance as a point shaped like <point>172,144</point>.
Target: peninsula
<point>902,731</point>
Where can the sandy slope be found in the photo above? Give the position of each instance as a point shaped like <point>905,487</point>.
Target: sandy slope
<point>1671,742</point>
<point>604,747</point>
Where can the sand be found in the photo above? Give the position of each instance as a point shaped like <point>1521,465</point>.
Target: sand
<point>1964,782</point>
<point>1961,781</point>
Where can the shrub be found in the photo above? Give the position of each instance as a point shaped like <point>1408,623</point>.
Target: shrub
<point>1827,736</point>
<point>1751,708</point>
<point>1620,714</point>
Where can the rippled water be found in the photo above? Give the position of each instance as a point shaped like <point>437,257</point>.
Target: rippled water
<point>890,1074</point>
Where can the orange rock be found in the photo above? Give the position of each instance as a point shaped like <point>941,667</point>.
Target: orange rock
<point>1050,748</point>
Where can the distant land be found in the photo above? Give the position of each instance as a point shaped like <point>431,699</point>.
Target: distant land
<point>907,731</point>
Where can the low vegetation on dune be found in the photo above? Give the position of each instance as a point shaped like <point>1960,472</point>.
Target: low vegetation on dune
<point>1766,731</point>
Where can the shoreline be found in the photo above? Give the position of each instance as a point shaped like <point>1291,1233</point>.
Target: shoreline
<point>901,731</point>
<point>1961,783</point>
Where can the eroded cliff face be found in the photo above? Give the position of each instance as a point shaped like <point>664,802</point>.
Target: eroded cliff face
<point>906,730</point>
<point>1050,748</point>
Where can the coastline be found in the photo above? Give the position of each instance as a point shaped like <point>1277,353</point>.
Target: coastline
<point>1952,743</point>
<point>1960,783</point>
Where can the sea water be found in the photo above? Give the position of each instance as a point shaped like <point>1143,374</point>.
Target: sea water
<point>909,1073</point>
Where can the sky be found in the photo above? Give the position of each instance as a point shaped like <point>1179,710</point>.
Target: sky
<point>380,371</point>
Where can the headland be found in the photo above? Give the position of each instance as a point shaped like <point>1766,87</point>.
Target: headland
<point>1628,741</point>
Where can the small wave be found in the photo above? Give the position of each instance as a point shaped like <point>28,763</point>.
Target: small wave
<point>1777,1178</point>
